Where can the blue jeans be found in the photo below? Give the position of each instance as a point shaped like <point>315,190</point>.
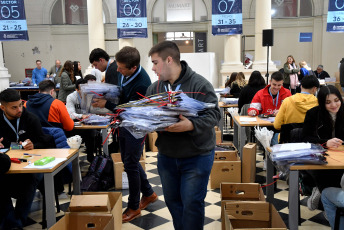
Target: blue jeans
<point>332,198</point>
<point>184,183</point>
<point>23,188</point>
<point>131,151</point>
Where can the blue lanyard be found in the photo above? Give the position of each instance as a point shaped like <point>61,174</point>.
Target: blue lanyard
<point>79,98</point>
<point>273,100</point>
<point>305,92</point>
<point>177,88</point>
<point>109,62</point>
<point>10,124</point>
<point>131,79</point>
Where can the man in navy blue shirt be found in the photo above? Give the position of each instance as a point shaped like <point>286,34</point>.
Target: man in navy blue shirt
<point>39,73</point>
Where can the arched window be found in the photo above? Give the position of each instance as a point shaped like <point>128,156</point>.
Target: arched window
<point>72,12</point>
<point>291,8</point>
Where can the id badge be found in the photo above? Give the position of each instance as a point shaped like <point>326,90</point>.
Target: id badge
<point>15,145</point>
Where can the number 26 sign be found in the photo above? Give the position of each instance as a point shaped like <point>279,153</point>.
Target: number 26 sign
<point>131,19</point>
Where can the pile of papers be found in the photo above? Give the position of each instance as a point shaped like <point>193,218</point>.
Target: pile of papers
<point>97,120</point>
<point>158,112</point>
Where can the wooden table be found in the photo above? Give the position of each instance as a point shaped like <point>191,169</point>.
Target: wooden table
<point>72,155</point>
<point>222,123</point>
<point>335,161</point>
<point>103,130</point>
<point>239,129</point>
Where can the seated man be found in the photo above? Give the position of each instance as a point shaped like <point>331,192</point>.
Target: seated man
<point>75,113</point>
<point>294,108</point>
<point>320,73</point>
<point>50,111</point>
<point>269,99</point>
<point>17,126</point>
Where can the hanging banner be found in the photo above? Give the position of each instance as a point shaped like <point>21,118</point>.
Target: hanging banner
<point>226,17</point>
<point>131,19</point>
<point>335,16</point>
<point>13,21</point>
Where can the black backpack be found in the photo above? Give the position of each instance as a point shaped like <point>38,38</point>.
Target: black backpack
<point>100,175</point>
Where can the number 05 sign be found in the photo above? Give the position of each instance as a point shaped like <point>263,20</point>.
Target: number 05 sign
<point>226,17</point>
<point>131,19</point>
<point>12,20</point>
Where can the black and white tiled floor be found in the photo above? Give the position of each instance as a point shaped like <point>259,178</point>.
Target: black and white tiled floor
<point>157,216</point>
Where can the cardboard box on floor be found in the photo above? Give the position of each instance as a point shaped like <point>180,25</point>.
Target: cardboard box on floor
<point>151,141</point>
<point>226,168</point>
<point>258,215</point>
<point>92,219</point>
<point>248,163</point>
<point>85,221</point>
<point>233,192</point>
<point>121,178</point>
<point>218,135</point>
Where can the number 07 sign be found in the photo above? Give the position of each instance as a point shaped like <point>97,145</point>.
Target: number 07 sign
<point>12,20</point>
<point>226,17</point>
<point>131,19</point>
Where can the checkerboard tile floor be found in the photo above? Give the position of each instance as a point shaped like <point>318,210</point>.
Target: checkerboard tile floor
<point>157,216</point>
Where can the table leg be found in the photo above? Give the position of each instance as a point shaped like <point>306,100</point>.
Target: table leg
<point>236,135</point>
<point>242,140</point>
<point>293,200</point>
<point>105,146</point>
<point>221,122</point>
<point>76,176</point>
<point>49,199</point>
<point>269,180</point>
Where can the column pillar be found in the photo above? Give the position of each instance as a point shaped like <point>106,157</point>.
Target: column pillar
<point>4,75</point>
<point>262,22</point>
<point>96,36</point>
<point>125,42</point>
<point>232,63</point>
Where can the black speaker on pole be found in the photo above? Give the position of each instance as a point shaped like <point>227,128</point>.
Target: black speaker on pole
<point>268,37</point>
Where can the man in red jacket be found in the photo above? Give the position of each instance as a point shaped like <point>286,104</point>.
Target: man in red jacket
<point>269,99</point>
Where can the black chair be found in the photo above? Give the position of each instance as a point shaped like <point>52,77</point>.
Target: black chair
<point>291,133</point>
<point>339,213</point>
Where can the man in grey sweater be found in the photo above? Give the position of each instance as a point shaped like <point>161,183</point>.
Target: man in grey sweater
<point>186,149</point>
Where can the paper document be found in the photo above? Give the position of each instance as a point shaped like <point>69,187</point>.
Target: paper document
<point>295,146</point>
<point>248,119</point>
<point>47,166</point>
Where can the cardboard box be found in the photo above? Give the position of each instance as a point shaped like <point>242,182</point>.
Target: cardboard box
<point>151,140</point>
<point>218,136</point>
<point>90,203</point>
<point>226,168</point>
<point>115,199</point>
<point>232,192</point>
<point>85,221</point>
<point>257,215</point>
<point>228,146</point>
<point>121,178</point>
<point>248,163</point>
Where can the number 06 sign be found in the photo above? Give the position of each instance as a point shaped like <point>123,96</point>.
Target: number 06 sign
<point>226,17</point>
<point>131,19</point>
<point>13,21</point>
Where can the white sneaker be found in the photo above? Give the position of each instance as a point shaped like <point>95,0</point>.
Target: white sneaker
<point>313,200</point>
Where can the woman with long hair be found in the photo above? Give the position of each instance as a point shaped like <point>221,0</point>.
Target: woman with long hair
<point>255,83</point>
<point>231,79</point>
<point>77,70</point>
<point>67,81</point>
<point>290,78</point>
<point>324,124</point>
<point>238,84</point>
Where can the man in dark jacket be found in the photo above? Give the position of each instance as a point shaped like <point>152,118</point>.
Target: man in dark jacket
<point>320,73</point>
<point>133,79</point>
<point>186,149</point>
<point>102,61</point>
<point>18,128</point>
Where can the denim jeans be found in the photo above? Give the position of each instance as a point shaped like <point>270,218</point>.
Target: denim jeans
<point>331,199</point>
<point>131,151</point>
<point>184,184</point>
<point>22,187</point>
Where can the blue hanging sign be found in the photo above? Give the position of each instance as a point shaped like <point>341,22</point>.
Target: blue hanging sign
<point>13,21</point>
<point>335,16</point>
<point>305,37</point>
<point>226,17</point>
<point>131,19</point>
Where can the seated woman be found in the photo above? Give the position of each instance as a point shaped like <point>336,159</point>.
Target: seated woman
<point>238,84</point>
<point>324,124</point>
<point>228,83</point>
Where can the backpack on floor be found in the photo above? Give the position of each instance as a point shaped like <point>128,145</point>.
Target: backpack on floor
<point>100,175</point>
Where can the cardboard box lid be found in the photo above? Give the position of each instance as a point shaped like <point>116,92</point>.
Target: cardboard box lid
<point>248,210</point>
<point>226,156</point>
<point>83,221</point>
<point>240,191</point>
<point>90,203</point>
